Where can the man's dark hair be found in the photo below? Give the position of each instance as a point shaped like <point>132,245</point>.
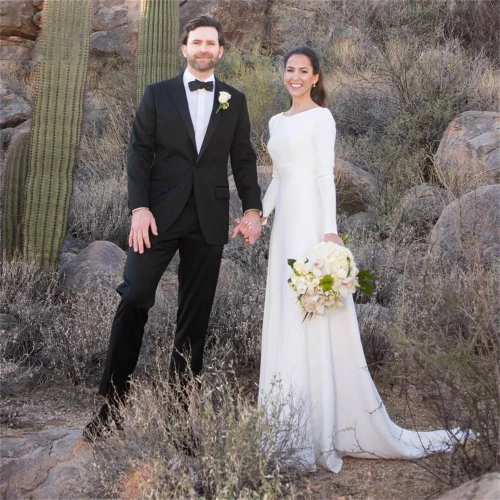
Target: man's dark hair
<point>199,22</point>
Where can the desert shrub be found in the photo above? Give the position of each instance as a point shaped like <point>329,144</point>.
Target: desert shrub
<point>65,334</point>
<point>254,73</point>
<point>25,292</point>
<point>235,450</point>
<point>99,211</point>
<point>393,117</point>
<point>475,24</point>
<point>449,348</point>
<point>21,78</point>
<point>397,74</point>
<point>236,321</point>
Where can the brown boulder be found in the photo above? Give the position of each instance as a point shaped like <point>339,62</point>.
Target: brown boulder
<point>120,41</point>
<point>7,134</point>
<point>361,223</point>
<point>100,265</point>
<point>468,229</point>
<point>486,487</point>
<point>37,18</point>
<point>14,51</point>
<point>97,268</point>
<point>110,14</point>
<point>244,21</point>
<point>16,18</point>
<point>421,206</point>
<point>53,464</point>
<point>356,188</point>
<point>288,22</point>
<point>15,110</point>
<point>469,153</point>
<point>115,27</point>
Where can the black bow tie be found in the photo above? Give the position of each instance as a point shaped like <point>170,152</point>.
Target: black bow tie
<point>197,85</point>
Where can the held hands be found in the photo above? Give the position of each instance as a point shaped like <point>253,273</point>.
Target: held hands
<point>142,221</point>
<point>334,238</point>
<point>249,226</point>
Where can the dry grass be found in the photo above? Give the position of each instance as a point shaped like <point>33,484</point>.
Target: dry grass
<point>236,452</point>
<point>255,74</point>
<point>67,335</point>
<point>448,345</point>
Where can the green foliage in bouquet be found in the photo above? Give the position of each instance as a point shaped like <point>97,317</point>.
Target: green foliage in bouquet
<point>158,42</point>
<point>55,133</point>
<point>16,171</point>
<point>366,280</point>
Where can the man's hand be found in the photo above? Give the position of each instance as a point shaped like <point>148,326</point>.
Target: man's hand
<point>334,238</point>
<point>249,226</point>
<point>142,220</point>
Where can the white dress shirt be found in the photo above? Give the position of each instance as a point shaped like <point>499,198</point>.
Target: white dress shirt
<point>200,104</point>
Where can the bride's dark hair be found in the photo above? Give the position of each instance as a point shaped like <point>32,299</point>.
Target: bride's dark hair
<point>318,93</point>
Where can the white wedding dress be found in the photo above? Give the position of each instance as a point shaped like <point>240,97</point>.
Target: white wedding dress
<point>319,362</point>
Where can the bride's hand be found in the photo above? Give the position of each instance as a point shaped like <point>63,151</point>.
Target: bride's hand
<point>334,238</point>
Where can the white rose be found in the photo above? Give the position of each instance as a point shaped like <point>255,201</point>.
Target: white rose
<point>300,267</point>
<point>301,288</point>
<point>341,273</point>
<point>224,97</point>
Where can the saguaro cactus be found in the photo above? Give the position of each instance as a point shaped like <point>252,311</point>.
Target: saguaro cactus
<point>16,171</point>
<point>55,132</point>
<point>158,42</point>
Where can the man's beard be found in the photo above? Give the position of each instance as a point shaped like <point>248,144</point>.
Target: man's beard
<point>205,66</point>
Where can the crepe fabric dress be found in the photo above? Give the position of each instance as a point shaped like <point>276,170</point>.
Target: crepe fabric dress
<point>316,367</point>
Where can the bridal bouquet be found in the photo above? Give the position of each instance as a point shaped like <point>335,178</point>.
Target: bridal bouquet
<point>327,276</point>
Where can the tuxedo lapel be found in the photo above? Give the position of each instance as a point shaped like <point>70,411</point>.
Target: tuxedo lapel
<point>178,93</point>
<point>214,120</point>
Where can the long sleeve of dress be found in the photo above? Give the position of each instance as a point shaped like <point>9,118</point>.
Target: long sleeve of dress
<point>269,201</point>
<point>324,145</point>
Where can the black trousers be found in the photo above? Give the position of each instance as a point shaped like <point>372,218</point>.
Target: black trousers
<point>198,274</point>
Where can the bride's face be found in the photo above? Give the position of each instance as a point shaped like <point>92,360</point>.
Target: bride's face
<point>299,77</point>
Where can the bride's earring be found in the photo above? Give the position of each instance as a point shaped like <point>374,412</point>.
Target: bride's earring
<point>314,85</point>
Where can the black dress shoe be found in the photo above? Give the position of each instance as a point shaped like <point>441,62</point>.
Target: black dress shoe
<point>100,427</point>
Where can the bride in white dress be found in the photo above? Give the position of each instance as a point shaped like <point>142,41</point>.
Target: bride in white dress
<point>320,361</point>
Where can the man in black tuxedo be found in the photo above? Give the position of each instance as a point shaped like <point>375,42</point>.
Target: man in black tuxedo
<point>184,131</point>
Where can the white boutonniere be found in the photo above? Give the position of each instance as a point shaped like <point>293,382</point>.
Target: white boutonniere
<point>223,101</point>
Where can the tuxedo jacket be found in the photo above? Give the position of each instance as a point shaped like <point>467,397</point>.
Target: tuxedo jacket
<point>163,164</point>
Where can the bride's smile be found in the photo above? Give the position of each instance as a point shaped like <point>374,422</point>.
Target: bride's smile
<point>299,77</point>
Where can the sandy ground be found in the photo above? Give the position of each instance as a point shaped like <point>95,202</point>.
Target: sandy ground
<point>60,405</point>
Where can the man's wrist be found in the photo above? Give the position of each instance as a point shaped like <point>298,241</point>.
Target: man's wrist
<point>253,210</point>
<point>139,208</point>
